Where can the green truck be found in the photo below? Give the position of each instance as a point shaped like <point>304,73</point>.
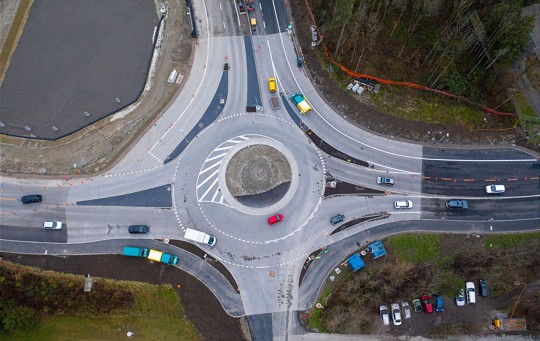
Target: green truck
<point>134,251</point>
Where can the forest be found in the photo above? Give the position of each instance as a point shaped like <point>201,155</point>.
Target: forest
<point>465,47</point>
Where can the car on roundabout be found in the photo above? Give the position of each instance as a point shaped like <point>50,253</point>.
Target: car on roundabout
<point>275,219</point>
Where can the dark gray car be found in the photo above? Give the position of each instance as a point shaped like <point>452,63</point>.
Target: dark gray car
<point>338,218</point>
<point>139,229</point>
<point>31,198</point>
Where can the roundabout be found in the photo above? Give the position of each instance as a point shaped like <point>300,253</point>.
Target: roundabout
<point>246,178</point>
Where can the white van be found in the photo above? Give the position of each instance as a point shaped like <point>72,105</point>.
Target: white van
<point>471,292</point>
<point>200,237</point>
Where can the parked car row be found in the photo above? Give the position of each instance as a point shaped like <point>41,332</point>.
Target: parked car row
<point>396,313</point>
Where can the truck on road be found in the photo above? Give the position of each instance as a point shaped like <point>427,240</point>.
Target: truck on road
<point>301,103</point>
<point>159,256</point>
<point>133,251</point>
<point>275,102</point>
<point>200,237</point>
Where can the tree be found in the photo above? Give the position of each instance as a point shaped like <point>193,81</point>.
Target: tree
<point>343,11</point>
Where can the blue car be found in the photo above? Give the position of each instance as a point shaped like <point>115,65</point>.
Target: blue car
<point>439,305</point>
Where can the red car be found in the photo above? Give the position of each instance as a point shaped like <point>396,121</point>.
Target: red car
<point>251,7</point>
<point>275,218</point>
<point>426,304</point>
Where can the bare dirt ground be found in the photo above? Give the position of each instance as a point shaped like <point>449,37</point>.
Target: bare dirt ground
<point>200,305</point>
<point>512,276</point>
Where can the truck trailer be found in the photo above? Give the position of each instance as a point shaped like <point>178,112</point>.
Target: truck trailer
<point>134,251</point>
<point>159,256</point>
<point>200,237</point>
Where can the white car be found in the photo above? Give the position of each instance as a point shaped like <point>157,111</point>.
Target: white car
<point>406,310</point>
<point>495,189</point>
<point>460,299</point>
<point>52,225</point>
<point>396,314</point>
<point>403,204</point>
<point>471,292</point>
<point>383,310</point>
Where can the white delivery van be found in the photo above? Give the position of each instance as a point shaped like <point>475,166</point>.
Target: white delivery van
<point>200,237</point>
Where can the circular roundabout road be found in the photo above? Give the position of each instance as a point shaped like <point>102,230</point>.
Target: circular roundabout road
<point>243,169</point>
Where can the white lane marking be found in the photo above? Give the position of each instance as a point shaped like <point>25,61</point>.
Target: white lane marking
<point>237,13</point>
<point>194,96</point>
<point>490,221</point>
<point>213,166</point>
<point>367,145</point>
<point>215,194</point>
<point>210,188</point>
<point>224,148</point>
<point>464,197</point>
<point>207,178</point>
<point>402,171</point>
<point>216,157</point>
<point>224,26</point>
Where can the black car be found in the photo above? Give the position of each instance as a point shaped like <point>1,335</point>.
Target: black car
<point>338,218</point>
<point>139,229</point>
<point>483,287</point>
<point>32,198</point>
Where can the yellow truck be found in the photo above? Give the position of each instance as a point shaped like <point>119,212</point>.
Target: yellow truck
<point>162,257</point>
<point>301,103</point>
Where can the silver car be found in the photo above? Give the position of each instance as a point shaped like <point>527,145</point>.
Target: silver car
<point>406,310</point>
<point>383,310</point>
<point>396,314</point>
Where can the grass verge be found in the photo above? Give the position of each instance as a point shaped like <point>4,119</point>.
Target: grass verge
<point>507,241</point>
<point>156,315</point>
<point>415,248</point>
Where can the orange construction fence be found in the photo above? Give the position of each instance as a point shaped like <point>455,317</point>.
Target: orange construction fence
<point>399,83</point>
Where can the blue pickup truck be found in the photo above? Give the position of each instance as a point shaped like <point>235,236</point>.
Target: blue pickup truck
<point>134,251</point>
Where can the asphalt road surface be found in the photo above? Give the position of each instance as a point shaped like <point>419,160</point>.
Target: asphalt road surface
<point>265,260</point>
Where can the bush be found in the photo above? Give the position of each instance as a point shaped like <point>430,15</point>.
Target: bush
<point>13,317</point>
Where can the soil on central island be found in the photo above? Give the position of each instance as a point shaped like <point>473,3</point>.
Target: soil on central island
<point>255,170</point>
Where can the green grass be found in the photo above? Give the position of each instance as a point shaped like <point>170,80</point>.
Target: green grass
<point>507,241</point>
<point>450,285</point>
<point>158,315</point>
<point>422,107</point>
<point>415,248</point>
<point>526,109</point>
